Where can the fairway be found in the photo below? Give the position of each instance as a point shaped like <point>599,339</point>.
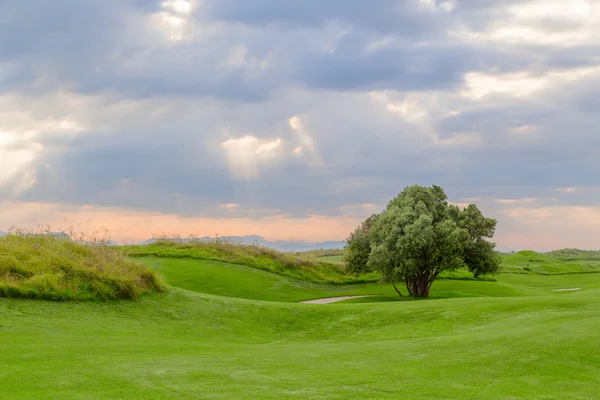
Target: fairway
<point>333,259</point>
<point>196,346</point>
<point>233,280</point>
<point>228,331</point>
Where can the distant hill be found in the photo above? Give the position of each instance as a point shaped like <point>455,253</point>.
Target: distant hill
<point>528,261</point>
<point>280,245</point>
<point>575,254</point>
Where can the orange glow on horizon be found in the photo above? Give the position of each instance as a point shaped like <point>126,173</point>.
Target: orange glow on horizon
<point>128,226</point>
<point>519,228</point>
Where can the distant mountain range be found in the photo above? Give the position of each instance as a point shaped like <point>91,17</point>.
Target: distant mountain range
<point>281,245</point>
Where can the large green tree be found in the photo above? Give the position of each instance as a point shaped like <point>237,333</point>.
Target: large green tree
<point>420,235</point>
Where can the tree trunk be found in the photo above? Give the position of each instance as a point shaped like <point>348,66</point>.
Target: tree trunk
<point>418,286</point>
<point>396,289</point>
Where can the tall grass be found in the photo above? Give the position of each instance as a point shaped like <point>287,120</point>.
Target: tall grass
<point>51,268</point>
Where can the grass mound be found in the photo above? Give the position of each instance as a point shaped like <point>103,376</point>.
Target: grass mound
<point>574,254</point>
<point>234,280</point>
<point>45,267</point>
<point>185,345</point>
<point>531,262</point>
<point>303,268</point>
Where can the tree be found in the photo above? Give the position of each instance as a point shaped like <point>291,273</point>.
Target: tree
<point>420,235</point>
<point>358,247</point>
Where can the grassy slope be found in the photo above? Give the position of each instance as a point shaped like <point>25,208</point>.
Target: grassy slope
<point>193,345</point>
<point>184,345</point>
<point>532,262</point>
<point>575,254</point>
<point>54,269</point>
<point>233,280</point>
<point>339,259</point>
<point>307,266</point>
<point>565,261</point>
<point>304,268</point>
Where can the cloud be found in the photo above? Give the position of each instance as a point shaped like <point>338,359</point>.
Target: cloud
<point>247,153</point>
<point>296,109</point>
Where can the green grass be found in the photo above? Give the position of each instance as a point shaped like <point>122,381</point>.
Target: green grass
<point>44,267</point>
<point>566,261</point>
<point>321,253</point>
<point>515,338</point>
<point>185,345</point>
<point>527,262</point>
<point>224,279</point>
<point>339,259</point>
<point>303,268</point>
<point>575,254</point>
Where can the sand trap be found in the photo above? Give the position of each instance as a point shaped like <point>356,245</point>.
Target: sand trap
<point>566,290</point>
<point>328,300</point>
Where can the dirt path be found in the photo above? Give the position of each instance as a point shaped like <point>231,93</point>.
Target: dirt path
<point>328,300</point>
<point>566,290</point>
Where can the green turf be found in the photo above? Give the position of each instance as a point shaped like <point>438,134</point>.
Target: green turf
<point>516,338</point>
<point>532,262</point>
<point>205,276</point>
<point>194,346</point>
<point>306,268</point>
<point>566,261</point>
<point>339,260</point>
<point>225,279</point>
<point>575,254</point>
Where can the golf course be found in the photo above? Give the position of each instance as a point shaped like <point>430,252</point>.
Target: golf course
<point>226,322</point>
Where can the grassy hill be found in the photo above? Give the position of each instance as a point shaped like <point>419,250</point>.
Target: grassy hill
<point>188,345</point>
<point>314,266</point>
<point>566,261</point>
<point>51,268</point>
<point>229,331</point>
<point>575,254</point>
<point>539,263</point>
<point>226,279</point>
<point>303,268</point>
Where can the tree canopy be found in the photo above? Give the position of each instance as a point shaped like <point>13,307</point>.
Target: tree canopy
<point>420,235</point>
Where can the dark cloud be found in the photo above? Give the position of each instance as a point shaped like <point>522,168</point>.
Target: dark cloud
<point>110,46</point>
<point>250,66</point>
<point>407,17</point>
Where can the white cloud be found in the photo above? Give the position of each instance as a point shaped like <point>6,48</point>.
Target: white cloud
<point>567,190</point>
<point>306,140</point>
<point>179,6</point>
<point>175,20</point>
<point>516,201</point>
<point>556,23</point>
<point>522,84</point>
<point>462,139</point>
<point>246,155</point>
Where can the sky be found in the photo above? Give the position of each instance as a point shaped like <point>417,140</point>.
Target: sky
<point>297,119</point>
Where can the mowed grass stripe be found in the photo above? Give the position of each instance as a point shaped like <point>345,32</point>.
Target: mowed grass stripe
<point>224,279</point>
<point>185,345</point>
